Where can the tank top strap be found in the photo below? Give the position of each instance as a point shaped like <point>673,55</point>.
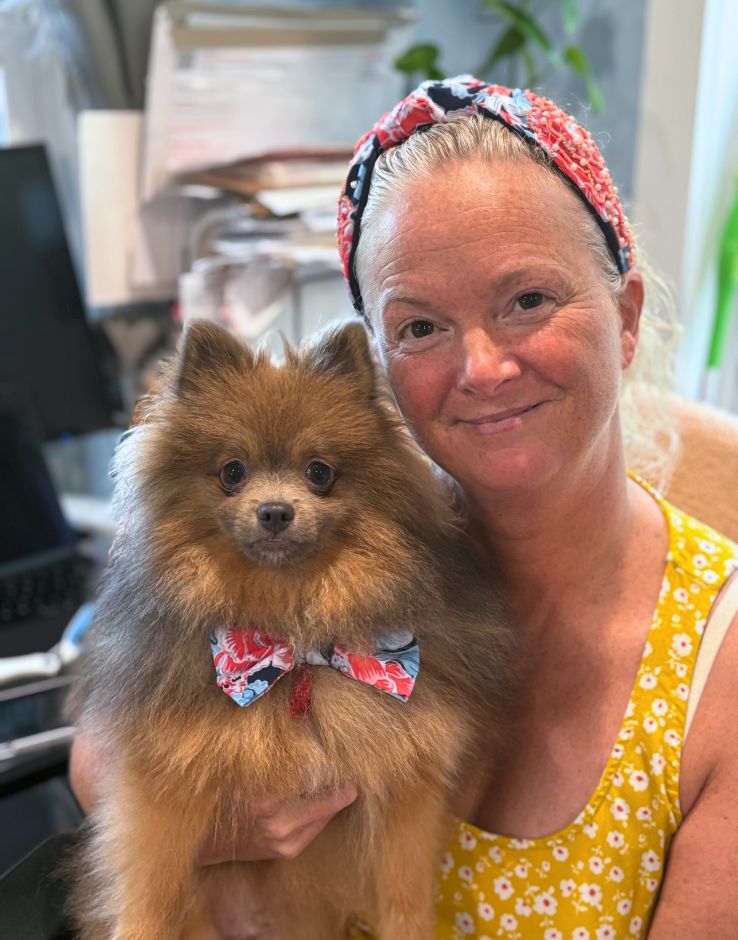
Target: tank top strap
<point>698,563</point>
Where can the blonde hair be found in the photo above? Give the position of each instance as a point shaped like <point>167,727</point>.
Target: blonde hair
<point>649,433</point>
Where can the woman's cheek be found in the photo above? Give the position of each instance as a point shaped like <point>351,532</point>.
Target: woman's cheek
<point>420,382</point>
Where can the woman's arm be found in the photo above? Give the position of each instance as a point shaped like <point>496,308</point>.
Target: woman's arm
<point>699,897</point>
<point>270,830</point>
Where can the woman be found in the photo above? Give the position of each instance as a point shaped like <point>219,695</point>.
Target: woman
<point>487,249</point>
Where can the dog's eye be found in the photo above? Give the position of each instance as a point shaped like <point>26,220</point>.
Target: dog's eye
<point>321,475</point>
<point>232,475</point>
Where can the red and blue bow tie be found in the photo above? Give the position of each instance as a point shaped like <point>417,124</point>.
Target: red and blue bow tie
<point>249,662</point>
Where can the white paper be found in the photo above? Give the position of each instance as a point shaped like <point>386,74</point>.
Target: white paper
<point>215,104</point>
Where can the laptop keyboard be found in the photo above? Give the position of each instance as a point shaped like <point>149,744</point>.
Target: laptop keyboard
<point>43,590</point>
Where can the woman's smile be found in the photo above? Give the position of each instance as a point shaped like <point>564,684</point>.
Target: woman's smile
<point>497,422</point>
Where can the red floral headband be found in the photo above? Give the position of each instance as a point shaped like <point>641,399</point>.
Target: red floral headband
<point>535,119</point>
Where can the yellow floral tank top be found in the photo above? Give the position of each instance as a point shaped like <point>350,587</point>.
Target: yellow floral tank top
<point>598,878</point>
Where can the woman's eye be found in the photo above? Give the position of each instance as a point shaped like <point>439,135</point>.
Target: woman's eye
<point>321,475</point>
<point>530,300</point>
<point>232,475</point>
<point>420,328</point>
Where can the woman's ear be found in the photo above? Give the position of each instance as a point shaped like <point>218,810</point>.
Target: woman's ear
<point>630,304</point>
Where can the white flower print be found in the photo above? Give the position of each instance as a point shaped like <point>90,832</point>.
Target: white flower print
<point>567,887</point>
<point>596,865</point>
<point>521,869</point>
<point>447,863</point>
<point>467,840</point>
<point>623,906</point>
<point>699,561</point>
<point>520,843</point>
<point>560,853</point>
<point>652,884</point>
<point>591,894</point>
<point>605,932</point>
<point>650,724</point>
<point>552,934</point>
<point>680,596</point>
<point>495,853</point>
<point>485,910</point>
<point>681,643</point>
<point>590,829</point>
<point>638,780</point>
<point>635,924</point>
<point>617,751</point>
<point>707,546</point>
<point>465,923</point>
<point>521,908</point>
<point>643,813</point>
<point>672,738</point>
<point>616,873</point>
<point>503,888</point>
<point>616,839</point>
<point>466,874</point>
<point>650,861</point>
<point>580,933</point>
<point>682,690</point>
<point>617,779</point>
<point>659,707</point>
<point>648,681</point>
<point>508,922</point>
<point>709,576</point>
<point>545,903</point>
<point>681,669</point>
<point>619,808</point>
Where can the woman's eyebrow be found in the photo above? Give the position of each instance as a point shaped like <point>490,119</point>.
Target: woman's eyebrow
<point>528,272</point>
<point>408,299</point>
<point>496,282</point>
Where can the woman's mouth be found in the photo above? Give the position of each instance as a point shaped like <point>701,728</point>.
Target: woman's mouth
<point>499,421</point>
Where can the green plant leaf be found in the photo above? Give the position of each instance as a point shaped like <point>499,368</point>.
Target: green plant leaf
<point>524,22</point>
<point>530,65</point>
<point>422,58</point>
<point>572,15</point>
<point>575,57</point>
<point>511,41</point>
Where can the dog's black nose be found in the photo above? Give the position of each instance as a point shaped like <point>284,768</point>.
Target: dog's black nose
<point>275,516</point>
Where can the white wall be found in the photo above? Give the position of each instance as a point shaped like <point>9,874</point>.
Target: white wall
<point>687,158</point>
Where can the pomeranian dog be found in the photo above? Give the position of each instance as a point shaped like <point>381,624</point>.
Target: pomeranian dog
<point>290,606</point>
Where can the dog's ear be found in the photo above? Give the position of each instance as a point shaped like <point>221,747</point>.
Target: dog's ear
<point>204,350</point>
<point>344,350</point>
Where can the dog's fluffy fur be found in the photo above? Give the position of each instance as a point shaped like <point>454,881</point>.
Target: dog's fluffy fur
<point>380,551</point>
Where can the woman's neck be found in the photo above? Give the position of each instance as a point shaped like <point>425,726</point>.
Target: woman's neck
<point>560,541</point>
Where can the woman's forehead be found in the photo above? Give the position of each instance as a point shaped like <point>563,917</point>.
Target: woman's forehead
<point>497,216</point>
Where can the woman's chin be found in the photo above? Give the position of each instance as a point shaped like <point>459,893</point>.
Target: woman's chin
<point>506,473</point>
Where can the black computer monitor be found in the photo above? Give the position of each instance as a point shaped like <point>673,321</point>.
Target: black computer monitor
<point>48,352</point>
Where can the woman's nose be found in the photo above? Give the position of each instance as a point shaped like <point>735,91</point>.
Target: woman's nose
<point>486,363</point>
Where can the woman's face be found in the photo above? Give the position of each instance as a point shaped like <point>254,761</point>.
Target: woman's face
<point>501,341</point>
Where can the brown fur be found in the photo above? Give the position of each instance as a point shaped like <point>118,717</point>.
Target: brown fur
<point>382,550</point>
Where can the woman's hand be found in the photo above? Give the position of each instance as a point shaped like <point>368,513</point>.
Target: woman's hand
<point>276,830</point>
<point>269,830</point>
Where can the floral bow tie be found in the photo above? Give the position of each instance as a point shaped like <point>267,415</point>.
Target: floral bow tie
<point>249,662</point>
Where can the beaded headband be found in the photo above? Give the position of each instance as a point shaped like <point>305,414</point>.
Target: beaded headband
<point>537,120</point>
